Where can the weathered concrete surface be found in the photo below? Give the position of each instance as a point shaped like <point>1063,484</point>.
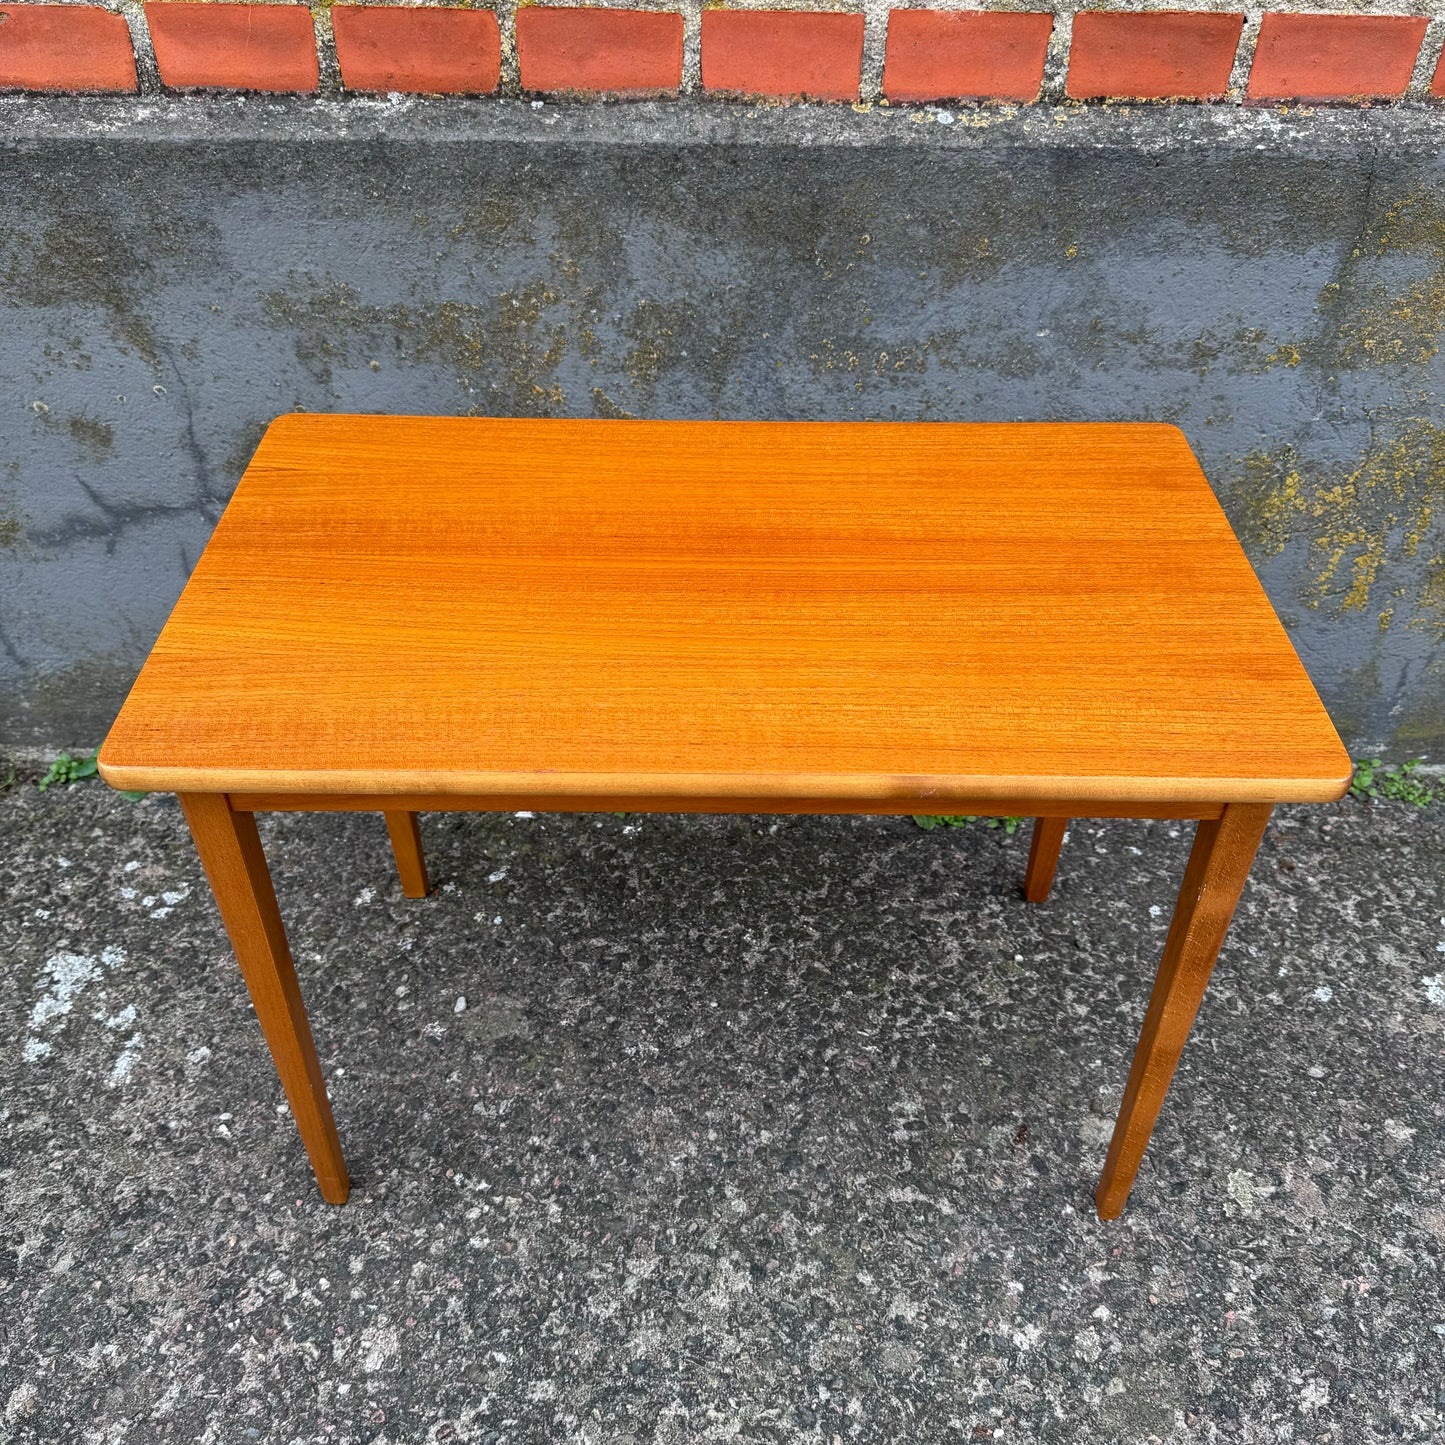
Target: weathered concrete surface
<point>173,274</point>
<point>748,1129</point>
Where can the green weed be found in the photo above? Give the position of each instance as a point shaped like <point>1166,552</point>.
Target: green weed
<point>66,770</point>
<point>928,822</point>
<point>1399,785</point>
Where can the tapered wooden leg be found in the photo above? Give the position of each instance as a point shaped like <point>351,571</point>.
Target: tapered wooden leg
<point>1219,863</point>
<point>1048,838</point>
<point>410,860</point>
<point>230,850</point>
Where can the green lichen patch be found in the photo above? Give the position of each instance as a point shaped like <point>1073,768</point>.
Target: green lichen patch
<point>491,220</point>
<point>653,329</point>
<point>1394,328</point>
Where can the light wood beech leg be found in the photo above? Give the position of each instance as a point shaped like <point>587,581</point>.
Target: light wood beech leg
<point>230,850</point>
<point>1048,838</point>
<point>1219,863</point>
<point>410,860</point>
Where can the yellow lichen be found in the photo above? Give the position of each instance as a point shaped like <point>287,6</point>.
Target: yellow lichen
<point>1403,328</point>
<point>604,406</point>
<point>1369,522</point>
<point>1432,594</point>
<point>1360,525</point>
<point>1391,326</point>
<point>1269,495</point>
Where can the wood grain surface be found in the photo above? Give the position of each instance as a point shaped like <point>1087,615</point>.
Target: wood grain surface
<point>861,611</point>
<point>405,833</point>
<point>699,803</point>
<point>230,850</point>
<point>1045,846</point>
<point>1214,879</point>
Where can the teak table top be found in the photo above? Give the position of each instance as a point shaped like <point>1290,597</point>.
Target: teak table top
<point>889,615</point>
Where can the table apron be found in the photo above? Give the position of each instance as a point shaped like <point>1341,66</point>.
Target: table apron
<point>548,803</point>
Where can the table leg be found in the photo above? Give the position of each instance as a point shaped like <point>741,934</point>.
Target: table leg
<point>230,850</point>
<point>1219,863</point>
<point>410,860</point>
<point>1048,838</point>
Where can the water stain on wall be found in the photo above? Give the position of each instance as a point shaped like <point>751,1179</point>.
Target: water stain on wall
<point>10,529</point>
<point>95,438</point>
<point>1374,528</point>
<point>88,258</point>
<point>508,346</point>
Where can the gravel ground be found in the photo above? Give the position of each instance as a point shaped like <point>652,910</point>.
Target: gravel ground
<point>672,1128</point>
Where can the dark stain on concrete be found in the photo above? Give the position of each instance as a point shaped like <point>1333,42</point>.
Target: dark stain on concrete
<point>503,352</point>
<point>11,530</point>
<point>103,256</point>
<point>73,704</point>
<point>95,438</point>
<point>242,450</point>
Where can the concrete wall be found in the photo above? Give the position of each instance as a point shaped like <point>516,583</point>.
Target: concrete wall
<point>173,274</point>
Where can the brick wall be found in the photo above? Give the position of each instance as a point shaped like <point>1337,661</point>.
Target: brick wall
<point>1340,52</point>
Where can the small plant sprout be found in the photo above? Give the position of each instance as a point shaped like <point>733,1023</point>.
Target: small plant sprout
<point>66,769</point>
<point>1397,785</point>
<point>928,822</point>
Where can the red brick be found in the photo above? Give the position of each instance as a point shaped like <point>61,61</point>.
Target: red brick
<point>565,49</point>
<point>1437,85</point>
<point>965,55</point>
<point>64,47</point>
<point>417,48</point>
<point>234,47</point>
<point>817,55</point>
<point>1153,55</point>
<point>1334,57</point>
